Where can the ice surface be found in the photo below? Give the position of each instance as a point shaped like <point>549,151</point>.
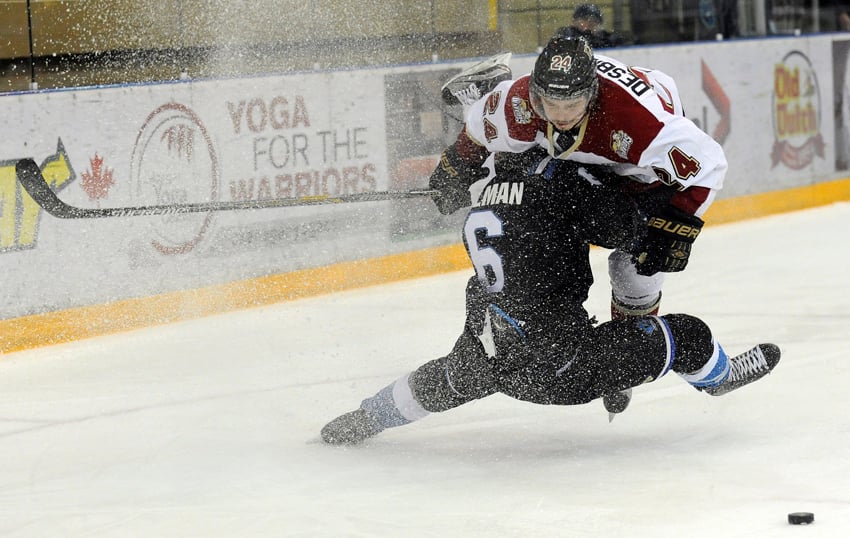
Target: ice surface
<point>210,427</point>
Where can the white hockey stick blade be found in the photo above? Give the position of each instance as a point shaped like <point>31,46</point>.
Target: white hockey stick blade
<point>33,181</point>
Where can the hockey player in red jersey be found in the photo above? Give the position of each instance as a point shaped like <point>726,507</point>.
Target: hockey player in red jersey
<point>597,110</point>
<point>527,334</point>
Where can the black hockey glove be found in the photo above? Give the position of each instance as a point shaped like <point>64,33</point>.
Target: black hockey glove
<point>452,179</point>
<point>667,244</point>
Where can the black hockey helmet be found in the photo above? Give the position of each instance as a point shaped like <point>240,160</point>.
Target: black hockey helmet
<point>565,69</point>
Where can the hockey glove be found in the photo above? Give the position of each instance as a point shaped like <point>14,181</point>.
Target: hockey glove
<point>667,244</point>
<point>451,179</point>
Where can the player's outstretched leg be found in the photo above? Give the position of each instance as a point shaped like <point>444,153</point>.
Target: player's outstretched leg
<point>392,406</point>
<point>463,375</point>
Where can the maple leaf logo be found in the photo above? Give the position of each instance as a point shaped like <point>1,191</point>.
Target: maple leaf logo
<point>98,179</point>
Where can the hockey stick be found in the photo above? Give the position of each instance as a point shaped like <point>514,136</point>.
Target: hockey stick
<point>33,181</point>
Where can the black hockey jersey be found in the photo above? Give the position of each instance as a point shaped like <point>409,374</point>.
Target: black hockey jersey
<point>528,236</point>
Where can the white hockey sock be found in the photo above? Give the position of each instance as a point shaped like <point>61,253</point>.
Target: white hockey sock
<point>713,373</point>
<point>395,405</point>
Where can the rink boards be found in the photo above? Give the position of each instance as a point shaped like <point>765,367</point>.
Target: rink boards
<point>782,126</point>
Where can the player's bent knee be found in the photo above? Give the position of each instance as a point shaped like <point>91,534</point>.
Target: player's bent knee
<point>693,340</point>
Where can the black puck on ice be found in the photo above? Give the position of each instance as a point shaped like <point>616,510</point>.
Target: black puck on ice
<point>801,518</point>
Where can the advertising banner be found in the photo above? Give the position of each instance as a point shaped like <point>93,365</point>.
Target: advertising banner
<point>777,106</point>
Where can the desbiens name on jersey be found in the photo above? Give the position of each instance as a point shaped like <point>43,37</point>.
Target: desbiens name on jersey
<point>509,192</point>
<point>624,76</point>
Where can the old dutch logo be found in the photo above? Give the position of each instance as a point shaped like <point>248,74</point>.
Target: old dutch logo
<point>796,113</point>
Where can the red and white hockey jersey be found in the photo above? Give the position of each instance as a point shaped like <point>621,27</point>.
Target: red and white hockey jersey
<point>636,125</point>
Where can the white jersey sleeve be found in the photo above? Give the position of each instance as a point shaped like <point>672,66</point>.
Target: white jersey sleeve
<point>495,120</point>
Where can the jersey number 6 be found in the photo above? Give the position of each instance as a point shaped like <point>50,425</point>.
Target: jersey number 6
<point>484,257</point>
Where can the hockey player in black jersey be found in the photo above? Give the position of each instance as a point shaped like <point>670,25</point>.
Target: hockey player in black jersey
<point>527,334</point>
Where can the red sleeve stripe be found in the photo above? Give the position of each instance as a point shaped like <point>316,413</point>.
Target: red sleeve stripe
<point>690,199</point>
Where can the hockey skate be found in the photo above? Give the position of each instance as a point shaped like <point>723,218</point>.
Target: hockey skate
<point>470,84</point>
<point>351,428</point>
<point>616,402</point>
<point>747,367</point>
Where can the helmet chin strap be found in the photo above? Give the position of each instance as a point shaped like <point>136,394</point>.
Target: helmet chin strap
<point>562,143</point>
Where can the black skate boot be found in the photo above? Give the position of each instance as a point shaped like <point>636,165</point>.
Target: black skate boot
<point>351,428</point>
<point>747,367</point>
<point>616,402</point>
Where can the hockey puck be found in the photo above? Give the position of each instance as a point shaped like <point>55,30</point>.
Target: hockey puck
<point>801,518</point>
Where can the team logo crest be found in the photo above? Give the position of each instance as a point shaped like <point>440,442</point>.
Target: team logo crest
<point>522,112</point>
<point>621,143</point>
<point>175,160</point>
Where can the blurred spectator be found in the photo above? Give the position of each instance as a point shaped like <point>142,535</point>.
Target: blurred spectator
<point>588,23</point>
<point>843,21</point>
<point>727,18</point>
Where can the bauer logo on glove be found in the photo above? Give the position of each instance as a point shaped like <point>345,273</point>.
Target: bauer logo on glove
<point>667,244</point>
<point>675,228</point>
